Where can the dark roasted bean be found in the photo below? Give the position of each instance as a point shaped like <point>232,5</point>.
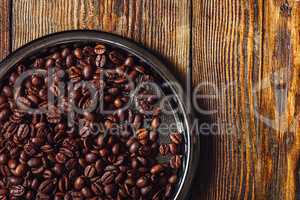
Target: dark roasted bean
<point>47,186</point>
<point>100,49</point>
<point>79,183</point>
<point>164,149</point>
<point>156,169</point>
<point>17,191</point>
<point>89,171</point>
<point>175,162</point>
<point>176,138</point>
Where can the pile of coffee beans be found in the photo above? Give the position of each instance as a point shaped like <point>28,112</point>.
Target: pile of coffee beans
<point>58,140</point>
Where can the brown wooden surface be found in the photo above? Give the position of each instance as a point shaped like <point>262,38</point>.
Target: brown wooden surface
<point>4,28</point>
<point>249,49</point>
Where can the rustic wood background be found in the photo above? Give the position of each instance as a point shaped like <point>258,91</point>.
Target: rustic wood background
<point>241,46</point>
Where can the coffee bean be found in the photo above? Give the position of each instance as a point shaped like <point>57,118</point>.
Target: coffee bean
<point>12,164</point>
<point>173,179</point>
<point>17,191</point>
<point>47,186</point>
<point>4,114</point>
<point>7,91</point>
<point>156,169</point>
<point>89,116</point>
<point>142,182</point>
<point>100,49</point>
<point>100,61</point>
<point>129,61</point>
<point>146,190</point>
<point>63,184</point>
<point>109,189</point>
<point>79,183</point>
<point>175,162</point>
<point>155,123</point>
<point>69,60</point>
<point>107,177</point>
<point>134,147</point>
<point>173,148</point>
<point>97,188</point>
<point>87,72</point>
<point>86,192</point>
<point>176,138</point>
<point>89,171</point>
<point>116,57</point>
<point>3,159</point>
<point>78,53</point>
<point>66,52</point>
<point>34,162</point>
<point>164,149</point>
<point>20,170</point>
<point>14,180</point>
<point>50,63</point>
<point>118,103</point>
<point>91,157</point>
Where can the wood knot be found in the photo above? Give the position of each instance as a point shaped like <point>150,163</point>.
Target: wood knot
<point>285,9</point>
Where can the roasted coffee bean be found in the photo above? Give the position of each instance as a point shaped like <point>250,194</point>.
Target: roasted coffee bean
<point>20,170</point>
<point>146,190</point>
<point>100,61</point>
<point>116,57</point>
<point>97,188</point>
<point>173,148</point>
<point>47,186</point>
<point>14,180</point>
<point>107,177</point>
<point>164,149</point>
<point>4,114</point>
<point>176,138</point>
<point>78,53</point>
<point>12,164</point>
<point>89,171</point>
<point>156,169</point>
<point>79,183</point>
<point>142,182</point>
<point>65,52</point>
<point>50,63</point>
<point>173,179</point>
<point>100,49</point>
<point>175,162</point>
<point>129,61</point>
<point>34,162</point>
<point>17,191</point>
<point>91,157</point>
<point>109,189</point>
<point>63,184</point>
<point>155,123</point>
<point>3,159</point>
<point>87,72</point>
<point>86,192</point>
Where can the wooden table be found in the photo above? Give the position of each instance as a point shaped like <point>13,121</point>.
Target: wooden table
<point>248,49</point>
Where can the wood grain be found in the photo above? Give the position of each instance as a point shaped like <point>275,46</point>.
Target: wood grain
<point>167,35</point>
<point>250,51</point>
<point>4,28</point>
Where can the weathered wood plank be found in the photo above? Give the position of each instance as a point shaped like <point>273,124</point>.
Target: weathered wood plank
<point>279,99</point>
<point>227,38</point>
<point>4,28</point>
<point>162,26</point>
<point>250,51</point>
